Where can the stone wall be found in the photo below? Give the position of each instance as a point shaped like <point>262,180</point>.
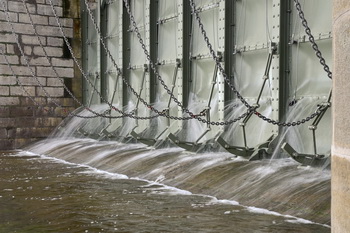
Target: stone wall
<point>341,118</point>
<point>32,98</point>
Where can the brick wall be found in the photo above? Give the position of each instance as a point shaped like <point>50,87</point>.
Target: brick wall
<point>23,120</point>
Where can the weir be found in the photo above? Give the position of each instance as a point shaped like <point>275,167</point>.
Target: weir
<point>205,74</point>
<point>226,98</point>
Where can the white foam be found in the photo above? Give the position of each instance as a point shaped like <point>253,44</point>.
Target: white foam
<point>23,153</point>
<point>292,219</point>
<point>215,201</point>
<point>104,174</point>
<point>257,210</point>
<point>161,189</point>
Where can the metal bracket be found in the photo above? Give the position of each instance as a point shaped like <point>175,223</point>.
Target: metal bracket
<point>152,141</point>
<point>311,159</point>
<point>314,160</point>
<point>253,153</point>
<point>195,146</point>
<point>96,76</point>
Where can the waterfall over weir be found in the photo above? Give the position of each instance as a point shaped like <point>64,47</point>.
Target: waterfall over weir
<point>278,185</point>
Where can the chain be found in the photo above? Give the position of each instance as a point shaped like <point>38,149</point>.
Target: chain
<point>123,114</point>
<point>216,58</point>
<point>312,39</point>
<point>32,73</point>
<point>159,113</point>
<point>22,52</point>
<point>19,82</point>
<point>153,67</point>
<point>319,109</point>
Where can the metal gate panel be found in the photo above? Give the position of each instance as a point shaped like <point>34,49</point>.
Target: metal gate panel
<point>309,85</point>
<point>256,39</point>
<point>138,67</point>
<point>204,84</point>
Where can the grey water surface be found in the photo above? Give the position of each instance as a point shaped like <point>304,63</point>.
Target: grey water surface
<point>44,194</point>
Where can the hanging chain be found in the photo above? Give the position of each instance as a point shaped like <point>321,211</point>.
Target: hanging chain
<point>319,109</point>
<point>312,39</point>
<point>123,114</point>
<point>20,84</point>
<point>153,67</point>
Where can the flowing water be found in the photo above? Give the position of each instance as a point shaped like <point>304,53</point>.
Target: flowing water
<point>83,185</point>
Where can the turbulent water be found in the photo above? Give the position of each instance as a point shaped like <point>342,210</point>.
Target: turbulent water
<point>90,186</point>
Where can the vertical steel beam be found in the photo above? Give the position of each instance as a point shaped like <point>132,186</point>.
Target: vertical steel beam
<point>104,58</point>
<point>186,48</point>
<point>148,46</point>
<point>221,48</point>
<point>230,26</point>
<point>126,53</point>
<point>284,71</point>
<point>153,31</point>
<point>274,27</point>
<point>84,31</point>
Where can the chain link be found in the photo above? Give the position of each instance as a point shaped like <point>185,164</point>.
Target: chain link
<point>318,111</point>
<point>159,113</point>
<point>123,114</point>
<point>312,39</point>
<point>154,69</point>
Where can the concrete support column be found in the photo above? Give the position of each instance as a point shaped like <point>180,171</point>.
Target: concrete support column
<point>340,213</point>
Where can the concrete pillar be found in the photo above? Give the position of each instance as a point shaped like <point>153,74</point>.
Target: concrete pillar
<point>340,213</point>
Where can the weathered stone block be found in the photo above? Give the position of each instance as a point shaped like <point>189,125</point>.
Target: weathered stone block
<point>340,7</point>
<point>47,10</point>
<point>37,19</point>
<point>48,122</point>
<point>55,2</point>
<point>26,101</point>
<point>9,101</point>
<point>35,61</point>
<point>340,193</point>
<point>25,121</point>
<point>12,16</point>
<point>7,122</point>
<point>8,80</point>
<point>52,91</point>
<point>50,51</point>
<point>11,132</point>
<point>62,62</point>
<point>17,112</point>
<point>6,144</point>
<point>54,41</point>
<point>4,91</point>
<point>44,111</point>
<point>64,22</point>
<point>3,133</point>
<point>54,31</point>
<point>54,82</point>
<point>4,112</point>
<point>6,37</point>
<point>27,50</point>
<point>10,59</point>
<point>22,91</point>
<point>10,49</point>
<point>65,102</point>
<point>18,27</point>
<point>62,72</point>
<point>19,7</point>
<point>341,84</point>
<point>21,142</point>
<point>33,40</point>
<point>31,81</point>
